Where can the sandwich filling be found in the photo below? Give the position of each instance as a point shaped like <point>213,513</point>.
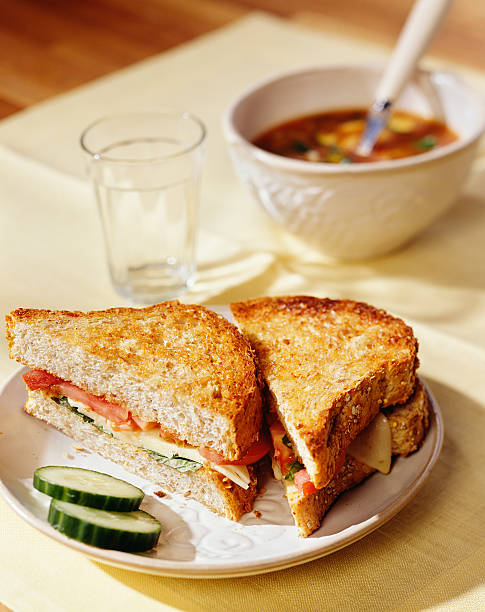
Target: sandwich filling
<point>373,447</point>
<point>114,420</point>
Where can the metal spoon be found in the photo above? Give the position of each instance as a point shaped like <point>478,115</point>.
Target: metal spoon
<point>420,27</point>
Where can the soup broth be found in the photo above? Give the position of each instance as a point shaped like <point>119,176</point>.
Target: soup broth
<point>332,137</point>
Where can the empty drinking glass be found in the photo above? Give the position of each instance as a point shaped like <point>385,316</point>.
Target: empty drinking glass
<point>145,168</point>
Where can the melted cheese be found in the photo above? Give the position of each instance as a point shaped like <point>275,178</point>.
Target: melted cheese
<point>278,474</point>
<point>151,440</point>
<point>373,446</point>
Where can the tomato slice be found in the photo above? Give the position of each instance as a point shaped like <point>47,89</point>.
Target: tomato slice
<point>211,455</point>
<point>255,452</point>
<point>283,454</point>
<point>39,379</point>
<point>168,437</point>
<point>144,425</point>
<point>304,484</point>
<point>302,478</point>
<point>112,412</point>
<point>128,425</point>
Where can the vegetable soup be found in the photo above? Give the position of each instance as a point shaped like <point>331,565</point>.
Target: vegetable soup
<point>332,137</point>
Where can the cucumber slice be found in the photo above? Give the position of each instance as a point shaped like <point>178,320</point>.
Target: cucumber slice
<point>87,487</point>
<point>127,531</point>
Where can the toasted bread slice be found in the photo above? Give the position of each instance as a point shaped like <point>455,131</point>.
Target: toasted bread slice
<point>205,485</point>
<point>183,366</point>
<point>308,511</point>
<point>330,366</point>
<point>408,423</point>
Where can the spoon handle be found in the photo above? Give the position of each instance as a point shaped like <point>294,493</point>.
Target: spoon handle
<point>420,27</point>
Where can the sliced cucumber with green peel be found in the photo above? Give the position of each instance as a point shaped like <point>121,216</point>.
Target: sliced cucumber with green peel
<point>87,488</point>
<point>134,531</point>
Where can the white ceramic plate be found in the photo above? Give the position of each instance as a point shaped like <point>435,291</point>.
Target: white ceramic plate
<point>195,542</point>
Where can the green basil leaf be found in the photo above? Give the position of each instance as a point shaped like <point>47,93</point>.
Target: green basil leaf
<point>179,463</point>
<point>295,467</point>
<point>64,401</point>
<point>286,441</point>
<point>426,143</point>
<point>300,146</point>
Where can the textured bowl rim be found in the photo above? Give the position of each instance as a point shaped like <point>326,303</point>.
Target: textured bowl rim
<point>234,136</point>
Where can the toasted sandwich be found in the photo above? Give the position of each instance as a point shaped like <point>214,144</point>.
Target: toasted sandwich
<point>407,426</point>
<point>331,367</point>
<point>171,392</point>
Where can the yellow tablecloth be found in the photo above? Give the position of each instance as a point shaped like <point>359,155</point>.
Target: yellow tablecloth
<point>432,554</point>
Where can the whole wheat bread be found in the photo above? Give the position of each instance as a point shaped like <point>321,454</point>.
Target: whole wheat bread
<point>206,486</point>
<point>183,366</point>
<point>408,422</point>
<point>329,366</point>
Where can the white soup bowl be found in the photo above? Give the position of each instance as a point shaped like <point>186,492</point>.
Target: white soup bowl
<point>354,211</point>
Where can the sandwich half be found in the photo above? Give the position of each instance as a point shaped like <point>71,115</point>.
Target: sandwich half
<point>330,367</point>
<point>171,392</point>
<point>407,426</point>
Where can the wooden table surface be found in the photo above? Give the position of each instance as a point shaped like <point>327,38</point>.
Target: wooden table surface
<point>50,46</point>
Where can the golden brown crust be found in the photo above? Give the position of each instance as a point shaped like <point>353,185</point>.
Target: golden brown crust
<point>237,500</point>
<point>330,365</point>
<point>212,344</point>
<point>195,354</point>
<point>408,422</point>
<point>308,511</point>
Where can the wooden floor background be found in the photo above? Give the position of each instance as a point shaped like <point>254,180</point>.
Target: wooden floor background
<point>50,46</point>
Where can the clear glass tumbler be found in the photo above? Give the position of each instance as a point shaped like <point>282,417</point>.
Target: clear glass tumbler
<point>145,168</point>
